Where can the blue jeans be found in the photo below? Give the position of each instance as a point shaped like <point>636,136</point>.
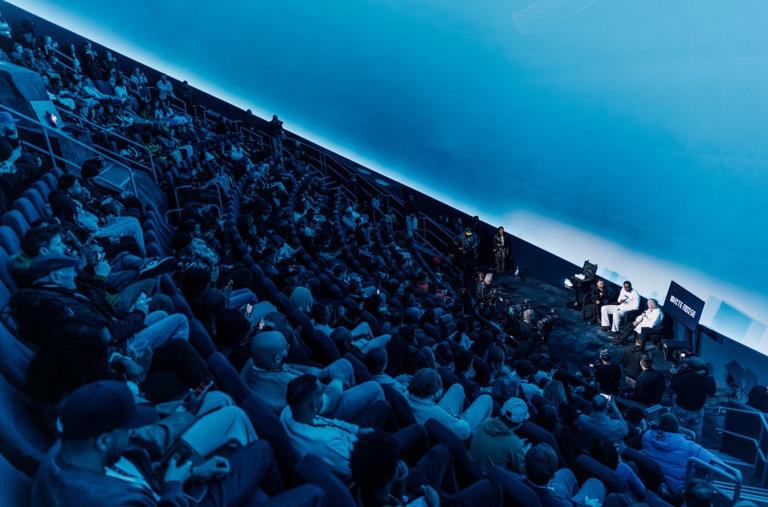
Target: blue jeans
<point>161,327</point>
<point>565,485</point>
<point>691,419</point>
<point>240,297</point>
<point>356,400</point>
<point>124,226</point>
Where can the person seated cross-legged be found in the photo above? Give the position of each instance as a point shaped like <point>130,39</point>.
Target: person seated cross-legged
<point>628,300</point>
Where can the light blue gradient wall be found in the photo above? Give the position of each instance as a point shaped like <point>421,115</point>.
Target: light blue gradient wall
<point>630,132</point>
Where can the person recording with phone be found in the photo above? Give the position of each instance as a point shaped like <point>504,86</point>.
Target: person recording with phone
<point>605,419</point>
<point>105,459</point>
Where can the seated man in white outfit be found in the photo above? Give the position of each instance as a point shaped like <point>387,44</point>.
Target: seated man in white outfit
<point>627,301</point>
<point>427,401</point>
<point>647,320</point>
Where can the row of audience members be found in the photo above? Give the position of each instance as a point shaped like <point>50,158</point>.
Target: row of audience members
<point>139,422</point>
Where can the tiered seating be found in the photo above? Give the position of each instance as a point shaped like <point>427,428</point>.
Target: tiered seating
<point>357,268</point>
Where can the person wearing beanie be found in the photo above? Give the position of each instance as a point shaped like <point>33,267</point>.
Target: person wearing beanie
<point>495,442</point>
<point>671,450</point>
<point>692,387</point>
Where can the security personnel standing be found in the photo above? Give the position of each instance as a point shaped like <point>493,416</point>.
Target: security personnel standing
<point>500,250</point>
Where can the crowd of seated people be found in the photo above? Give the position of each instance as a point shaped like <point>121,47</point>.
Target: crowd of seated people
<point>361,377</point>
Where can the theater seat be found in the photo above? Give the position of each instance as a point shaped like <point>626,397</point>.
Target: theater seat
<point>27,209</point>
<point>312,470</point>
<point>516,492</point>
<point>16,221</point>
<point>5,274</point>
<point>15,487</point>
<point>9,241</point>
<point>14,358</point>
<point>586,466</point>
<point>23,439</point>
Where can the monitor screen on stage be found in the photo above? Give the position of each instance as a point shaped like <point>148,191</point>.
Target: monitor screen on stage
<point>629,133</point>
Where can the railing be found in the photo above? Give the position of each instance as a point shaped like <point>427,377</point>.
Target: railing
<point>760,456</point>
<point>45,128</point>
<point>66,57</point>
<point>716,468</point>
<point>101,128</point>
<point>172,100</point>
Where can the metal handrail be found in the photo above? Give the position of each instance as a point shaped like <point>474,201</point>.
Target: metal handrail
<point>102,128</point>
<point>389,195</point>
<point>256,134</point>
<point>718,468</point>
<point>171,99</point>
<point>73,164</point>
<point>69,58</point>
<point>46,128</point>
<point>756,442</point>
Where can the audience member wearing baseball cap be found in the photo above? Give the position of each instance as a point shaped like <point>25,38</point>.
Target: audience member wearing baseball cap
<point>43,266</point>
<point>495,441</point>
<point>96,464</point>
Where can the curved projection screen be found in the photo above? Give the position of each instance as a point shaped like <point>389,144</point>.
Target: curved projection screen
<point>628,133</point>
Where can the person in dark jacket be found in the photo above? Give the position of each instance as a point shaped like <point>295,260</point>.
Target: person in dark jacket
<point>692,388</point>
<point>500,250</point>
<point>53,301</point>
<point>630,360</point>
<point>650,385</point>
<point>593,301</point>
<point>607,374</point>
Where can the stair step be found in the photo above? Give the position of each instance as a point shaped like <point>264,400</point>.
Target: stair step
<point>752,493</point>
<point>730,460</point>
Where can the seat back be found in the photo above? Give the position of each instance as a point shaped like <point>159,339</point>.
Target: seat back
<point>27,209</point>
<point>516,492</point>
<point>16,221</point>
<point>37,200</point>
<point>586,466</point>
<point>9,241</point>
<point>313,471</point>
<point>15,487</point>
<point>648,469</point>
<point>5,274</point>
<point>14,358</point>
<point>24,439</point>
<point>537,434</point>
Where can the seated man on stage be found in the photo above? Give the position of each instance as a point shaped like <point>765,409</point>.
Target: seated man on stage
<point>594,301</point>
<point>644,322</point>
<point>628,300</point>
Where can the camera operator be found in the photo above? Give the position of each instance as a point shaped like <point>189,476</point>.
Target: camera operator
<point>483,290</point>
<point>692,386</point>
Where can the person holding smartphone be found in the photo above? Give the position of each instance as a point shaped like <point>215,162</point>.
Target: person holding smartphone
<point>605,419</point>
<point>97,424</point>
